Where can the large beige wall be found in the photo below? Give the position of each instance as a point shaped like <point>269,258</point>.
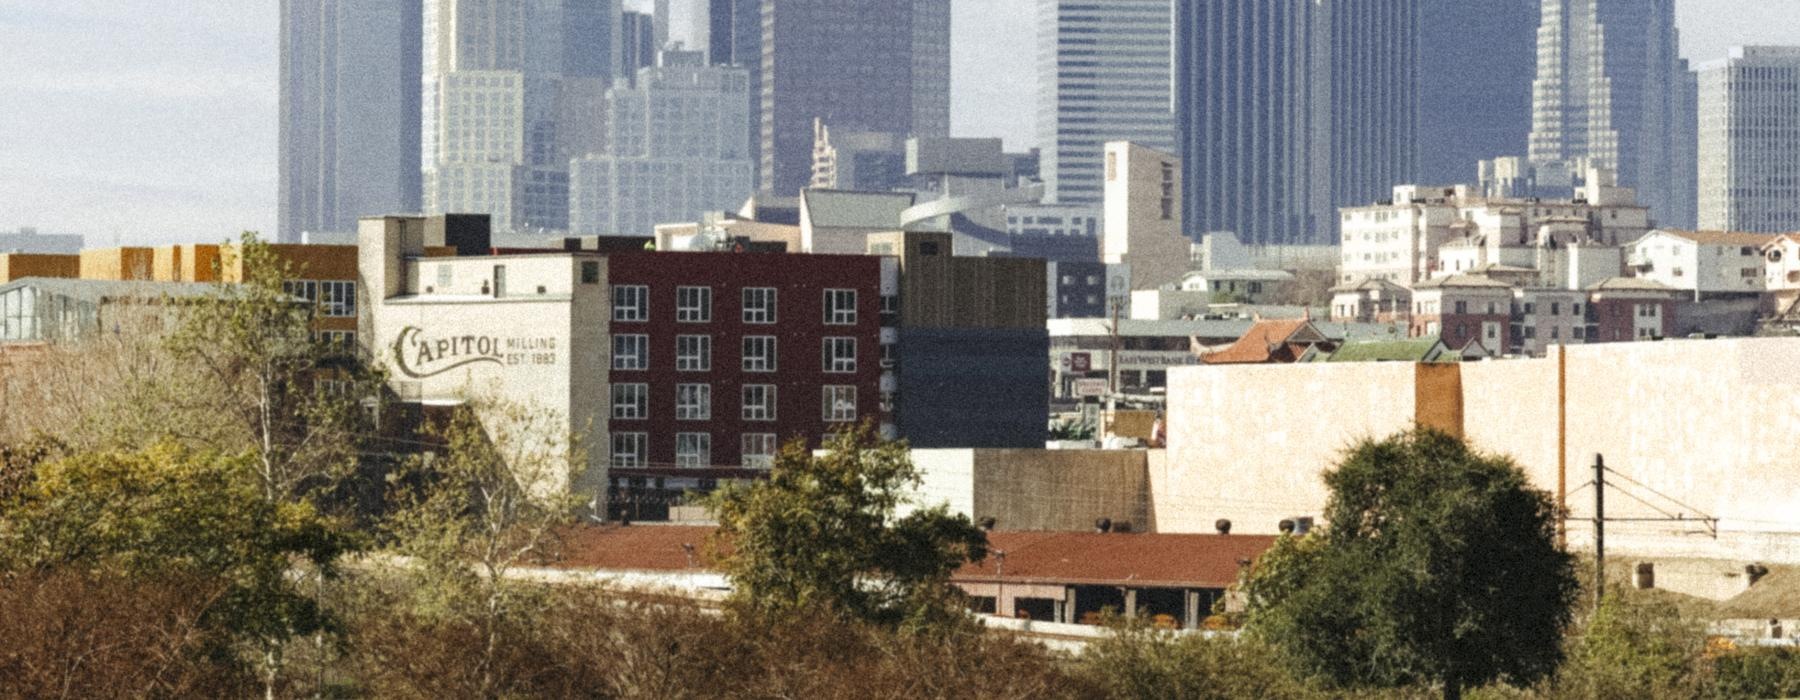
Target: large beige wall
<point>1714,424</point>
<point>1248,443</point>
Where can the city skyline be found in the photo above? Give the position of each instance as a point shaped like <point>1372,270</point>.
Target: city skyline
<point>205,83</point>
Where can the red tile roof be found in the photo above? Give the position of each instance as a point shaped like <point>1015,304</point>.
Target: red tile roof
<point>1085,558</point>
<point>1187,560</point>
<point>1265,342</point>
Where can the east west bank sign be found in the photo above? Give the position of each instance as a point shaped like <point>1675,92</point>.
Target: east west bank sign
<point>419,354</point>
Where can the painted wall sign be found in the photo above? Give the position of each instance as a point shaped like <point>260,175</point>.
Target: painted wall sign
<point>419,355</point>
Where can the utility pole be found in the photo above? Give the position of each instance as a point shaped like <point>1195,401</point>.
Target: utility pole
<point>1599,528</point>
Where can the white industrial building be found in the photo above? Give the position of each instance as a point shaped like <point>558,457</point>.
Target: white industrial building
<point>1750,140</point>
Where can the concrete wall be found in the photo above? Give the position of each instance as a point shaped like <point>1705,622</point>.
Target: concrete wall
<point>1027,489</point>
<point>1702,427</point>
<point>1248,443</point>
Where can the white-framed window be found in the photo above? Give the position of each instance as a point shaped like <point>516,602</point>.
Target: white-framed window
<point>759,305</point>
<point>759,402</point>
<point>339,297</point>
<point>693,402</point>
<point>759,450</point>
<point>631,401</point>
<point>839,404</point>
<point>840,307</point>
<point>693,450</point>
<point>303,289</point>
<point>693,304</point>
<point>693,353</point>
<point>631,351</point>
<point>759,353</point>
<point>631,302</point>
<point>840,355</point>
<point>628,449</point>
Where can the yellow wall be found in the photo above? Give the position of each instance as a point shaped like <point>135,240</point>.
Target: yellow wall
<point>21,265</point>
<point>118,264</point>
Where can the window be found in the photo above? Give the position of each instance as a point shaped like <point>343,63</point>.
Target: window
<point>839,404</point>
<point>630,401</point>
<point>628,449</point>
<point>759,305</point>
<point>759,450</point>
<point>631,352</point>
<point>340,298</point>
<point>693,353</point>
<point>590,271</point>
<point>759,353</point>
<point>1578,332</point>
<point>1462,307</point>
<point>499,281</point>
<point>1555,333</point>
<point>338,341</point>
<point>1555,308</point>
<point>759,402</point>
<point>693,450</point>
<point>631,302</point>
<point>446,275</point>
<point>693,402</point>
<point>693,304</point>
<point>840,355</point>
<point>304,289</point>
<point>840,307</point>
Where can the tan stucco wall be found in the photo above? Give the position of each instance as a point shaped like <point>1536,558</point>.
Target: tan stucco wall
<point>1714,424</point>
<point>1248,443</point>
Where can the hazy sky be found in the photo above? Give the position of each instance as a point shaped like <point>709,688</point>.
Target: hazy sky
<point>151,121</point>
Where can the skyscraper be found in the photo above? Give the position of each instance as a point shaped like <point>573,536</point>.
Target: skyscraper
<point>734,33</point>
<point>861,65</point>
<point>1610,93</point>
<point>1288,109</point>
<point>349,113</point>
<point>1103,75</point>
<point>675,148</point>
<point>638,33</point>
<point>1477,59</point>
<point>495,138</point>
<point>1750,140</point>
<point>1253,88</point>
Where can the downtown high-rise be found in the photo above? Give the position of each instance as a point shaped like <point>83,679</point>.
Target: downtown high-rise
<point>349,125</point>
<point>1749,141</point>
<point>496,138</point>
<point>1103,74</point>
<point>1613,92</point>
<point>1288,109</point>
<point>858,65</point>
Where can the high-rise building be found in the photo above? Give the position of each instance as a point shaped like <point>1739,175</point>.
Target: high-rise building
<point>675,148</point>
<point>349,113</point>
<point>1253,89</point>
<point>638,33</point>
<point>1289,108</point>
<point>1610,93</point>
<point>734,33</point>
<point>1750,140</point>
<point>1103,75</point>
<point>495,135</point>
<point>1477,59</point>
<point>860,65</point>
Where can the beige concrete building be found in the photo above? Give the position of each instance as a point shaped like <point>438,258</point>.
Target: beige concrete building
<point>1403,240</point>
<point>1703,429</point>
<point>1142,214</point>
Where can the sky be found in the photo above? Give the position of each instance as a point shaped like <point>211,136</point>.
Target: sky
<point>143,122</point>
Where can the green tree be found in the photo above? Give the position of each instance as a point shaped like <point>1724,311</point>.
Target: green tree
<point>488,500</point>
<point>1437,564</point>
<point>819,535</point>
<point>1636,644</point>
<point>274,384</point>
<point>168,512</point>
